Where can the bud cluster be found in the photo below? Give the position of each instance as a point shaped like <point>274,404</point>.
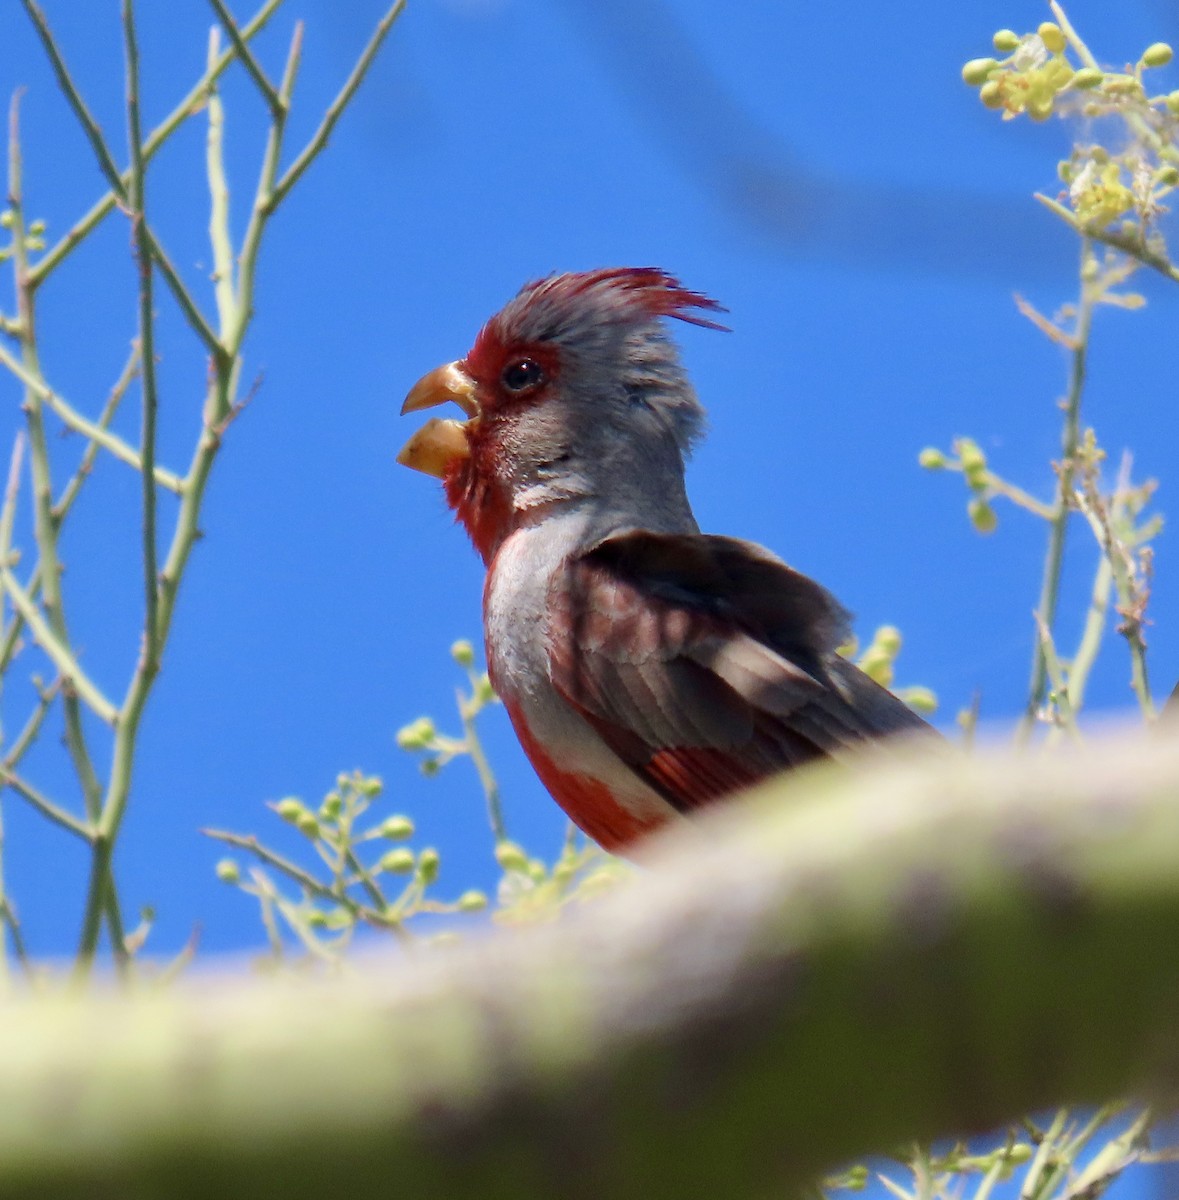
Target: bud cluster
<point>1035,69</point>
<point>968,457</point>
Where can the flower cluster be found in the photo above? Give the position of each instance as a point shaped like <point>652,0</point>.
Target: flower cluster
<point>1103,187</point>
<point>1035,70</point>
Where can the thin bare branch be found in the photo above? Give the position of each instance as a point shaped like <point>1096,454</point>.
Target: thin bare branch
<point>58,653</point>
<point>83,425</point>
<point>189,105</point>
<point>269,93</point>
<point>320,138</point>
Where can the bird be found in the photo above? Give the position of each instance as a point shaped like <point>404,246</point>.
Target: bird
<point>649,670</point>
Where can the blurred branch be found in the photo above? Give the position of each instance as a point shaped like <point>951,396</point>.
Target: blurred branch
<point>756,173</point>
<point>983,933</point>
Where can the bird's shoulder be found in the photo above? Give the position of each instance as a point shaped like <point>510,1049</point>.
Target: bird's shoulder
<point>640,590</point>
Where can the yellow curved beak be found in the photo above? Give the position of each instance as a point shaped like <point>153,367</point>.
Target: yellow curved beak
<point>440,442</point>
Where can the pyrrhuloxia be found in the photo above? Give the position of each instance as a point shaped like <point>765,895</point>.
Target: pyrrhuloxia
<point>648,669</point>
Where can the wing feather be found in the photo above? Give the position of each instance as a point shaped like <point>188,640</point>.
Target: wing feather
<point>707,664</point>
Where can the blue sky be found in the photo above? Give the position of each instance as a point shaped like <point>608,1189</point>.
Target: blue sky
<point>821,171</point>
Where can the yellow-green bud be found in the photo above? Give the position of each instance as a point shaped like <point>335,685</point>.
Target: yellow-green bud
<point>856,1179</point>
<point>1173,103</point>
<point>344,780</point>
<point>428,863</point>
<point>397,862</point>
<point>331,807</point>
<point>290,809</point>
<point>1052,36</point>
<point>919,699</point>
<point>510,856</point>
<point>396,828</point>
<point>976,70</point>
<point>991,94</point>
<point>877,665</point>
<point>1157,55</point>
<point>463,653</point>
<point>932,459</point>
<point>888,639</point>
<point>1168,176</point>
<point>1088,77</point>
<point>417,735</point>
<point>228,871</point>
<point>472,901</point>
<point>307,825</point>
<point>6,218</point>
<point>484,692</point>
<point>316,919</point>
<point>982,515</point>
<point>1021,1152</point>
<point>1006,40</point>
<point>370,786</point>
<point>974,462</point>
<point>1039,108</point>
<point>537,871</point>
<point>36,228</point>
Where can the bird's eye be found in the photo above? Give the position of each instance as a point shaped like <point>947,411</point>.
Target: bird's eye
<point>522,375</point>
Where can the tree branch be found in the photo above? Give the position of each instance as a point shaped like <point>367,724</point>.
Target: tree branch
<point>974,937</point>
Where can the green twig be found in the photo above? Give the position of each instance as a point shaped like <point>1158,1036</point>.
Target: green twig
<point>45,806</point>
<point>219,236</point>
<point>32,727</point>
<point>70,492</point>
<point>120,184</point>
<point>233,333</point>
<point>137,204</point>
<point>1054,559</point>
<point>1131,597</point>
<point>1066,718</point>
<point>57,651</point>
<point>1092,635</point>
<point>95,431</point>
<point>90,126</point>
<point>44,524</point>
<point>271,96</point>
<point>304,879</point>
<point>189,105</point>
<point>335,110</point>
<point>468,709</point>
<point>1114,238</point>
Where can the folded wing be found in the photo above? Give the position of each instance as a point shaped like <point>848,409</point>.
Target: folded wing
<point>706,663</point>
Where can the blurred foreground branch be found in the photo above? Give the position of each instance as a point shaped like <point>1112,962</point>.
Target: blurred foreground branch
<point>843,962</point>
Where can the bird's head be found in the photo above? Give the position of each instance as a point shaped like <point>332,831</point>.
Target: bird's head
<point>574,393</point>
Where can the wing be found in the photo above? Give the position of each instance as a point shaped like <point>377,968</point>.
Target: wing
<point>707,664</point>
